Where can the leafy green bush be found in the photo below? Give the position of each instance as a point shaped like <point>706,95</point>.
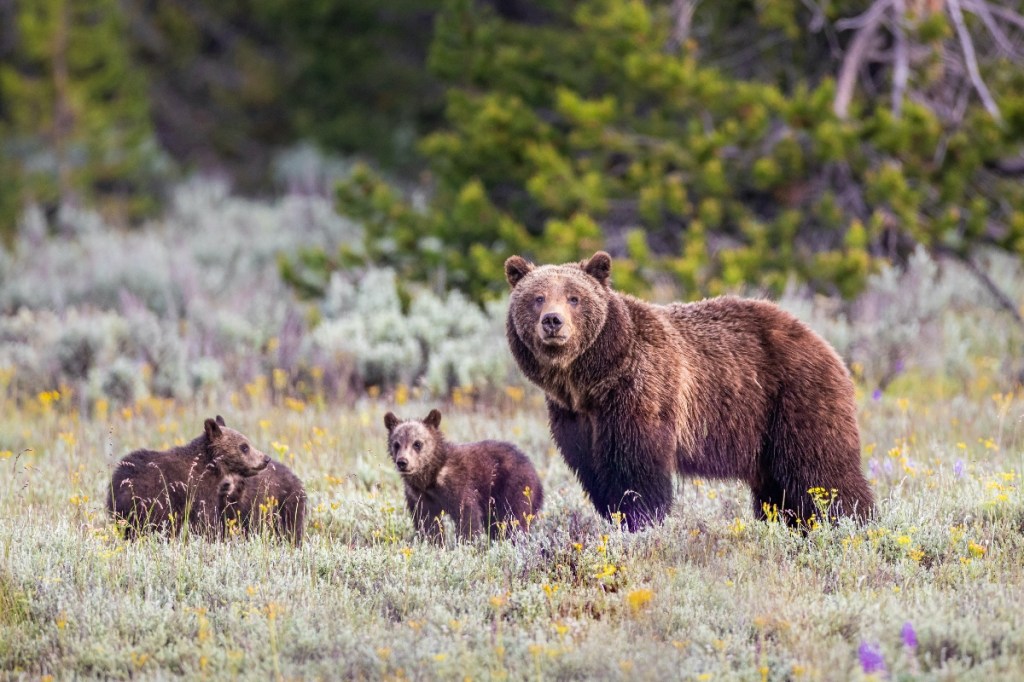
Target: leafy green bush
<point>587,129</point>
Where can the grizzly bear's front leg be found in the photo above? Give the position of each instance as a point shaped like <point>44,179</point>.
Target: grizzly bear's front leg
<point>574,438</point>
<point>623,465</point>
<point>425,519</point>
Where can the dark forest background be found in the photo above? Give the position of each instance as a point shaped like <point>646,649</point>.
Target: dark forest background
<point>706,144</point>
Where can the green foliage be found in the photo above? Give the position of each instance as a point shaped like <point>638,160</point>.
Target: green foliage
<point>584,131</point>
<point>75,116</point>
<point>354,77</point>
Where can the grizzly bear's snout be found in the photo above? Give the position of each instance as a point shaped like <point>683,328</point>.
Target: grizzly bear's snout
<point>402,463</point>
<point>550,324</point>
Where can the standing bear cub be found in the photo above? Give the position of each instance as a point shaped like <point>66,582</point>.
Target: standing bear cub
<point>489,485</point>
<point>721,388</point>
<point>165,490</point>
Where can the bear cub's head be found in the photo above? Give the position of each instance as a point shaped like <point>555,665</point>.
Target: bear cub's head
<point>413,445</point>
<point>558,310</point>
<point>231,450</point>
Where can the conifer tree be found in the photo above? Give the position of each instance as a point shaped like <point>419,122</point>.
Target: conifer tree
<point>74,108</point>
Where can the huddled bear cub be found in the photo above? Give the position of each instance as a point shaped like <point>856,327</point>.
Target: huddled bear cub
<point>162,490</point>
<point>489,485</point>
<point>273,500</point>
<point>721,388</point>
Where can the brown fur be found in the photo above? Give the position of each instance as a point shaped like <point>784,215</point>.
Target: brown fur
<point>720,388</point>
<point>153,490</point>
<point>480,486</point>
<point>273,499</point>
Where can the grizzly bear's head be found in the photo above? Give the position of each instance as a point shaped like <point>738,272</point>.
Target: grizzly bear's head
<point>231,450</point>
<point>414,445</point>
<point>558,310</point>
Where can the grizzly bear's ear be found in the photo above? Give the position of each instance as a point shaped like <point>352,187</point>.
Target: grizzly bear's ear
<point>599,267</point>
<point>212,429</point>
<point>517,267</point>
<point>220,420</point>
<point>390,421</point>
<point>433,419</point>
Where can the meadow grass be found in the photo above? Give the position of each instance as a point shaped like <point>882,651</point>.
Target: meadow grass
<point>930,589</point>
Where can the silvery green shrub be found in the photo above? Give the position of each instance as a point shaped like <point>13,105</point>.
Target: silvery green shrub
<point>120,382</point>
<point>440,343</point>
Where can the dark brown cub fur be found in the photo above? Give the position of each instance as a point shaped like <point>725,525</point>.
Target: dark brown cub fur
<point>720,388</point>
<point>273,499</point>
<point>163,490</point>
<point>489,485</point>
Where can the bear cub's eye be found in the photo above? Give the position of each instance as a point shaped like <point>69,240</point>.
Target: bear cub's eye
<point>417,446</point>
<point>538,300</point>
<point>395,446</point>
<point>574,300</point>
<point>244,448</point>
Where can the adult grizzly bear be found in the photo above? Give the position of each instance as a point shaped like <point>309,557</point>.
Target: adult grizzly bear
<point>488,485</point>
<point>165,490</point>
<point>721,388</point>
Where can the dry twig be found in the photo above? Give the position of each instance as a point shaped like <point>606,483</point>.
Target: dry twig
<point>867,25</point>
<point>970,59</point>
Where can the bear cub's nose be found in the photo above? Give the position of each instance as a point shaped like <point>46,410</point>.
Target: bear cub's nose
<point>551,323</point>
<point>402,463</point>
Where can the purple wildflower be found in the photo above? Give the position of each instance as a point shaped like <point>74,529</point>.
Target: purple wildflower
<point>874,468</point>
<point>898,367</point>
<point>876,395</point>
<point>909,635</point>
<point>871,660</point>
<point>958,468</point>
<point>887,465</point>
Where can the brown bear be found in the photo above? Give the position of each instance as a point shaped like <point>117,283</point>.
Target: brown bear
<point>164,490</point>
<point>272,500</point>
<point>489,485</point>
<point>721,388</point>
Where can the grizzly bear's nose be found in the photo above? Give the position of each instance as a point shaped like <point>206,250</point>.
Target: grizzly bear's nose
<point>551,323</point>
<point>402,463</point>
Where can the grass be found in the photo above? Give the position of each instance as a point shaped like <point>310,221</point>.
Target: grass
<point>710,594</point>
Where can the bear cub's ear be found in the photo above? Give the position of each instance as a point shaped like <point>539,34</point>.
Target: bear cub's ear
<point>220,420</point>
<point>433,419</point>
<point>212,428</point>
<point>390,421</point>
<point>517,267</point>
<point>599,267</point>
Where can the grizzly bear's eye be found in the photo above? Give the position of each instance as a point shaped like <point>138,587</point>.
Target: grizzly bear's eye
<point>245,448</point>
<point>395,446</point>
<point>539,300</point>
<point>574,300</point>
<point>417,446</point>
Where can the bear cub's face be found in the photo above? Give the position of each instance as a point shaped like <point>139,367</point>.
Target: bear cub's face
<point>558,310</point>
<point>412,444</point>
<point>232,450</point>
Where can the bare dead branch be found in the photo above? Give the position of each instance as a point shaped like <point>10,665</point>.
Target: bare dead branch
<point>901,68</point>
<point>1004,13</point>
<point>1001,297</point>
<point>868,24</point>
<point>872,15</point>
<point>1013,166</point>
<point>982,10</point>
<point>682,17</point>
<point>970,59</point>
